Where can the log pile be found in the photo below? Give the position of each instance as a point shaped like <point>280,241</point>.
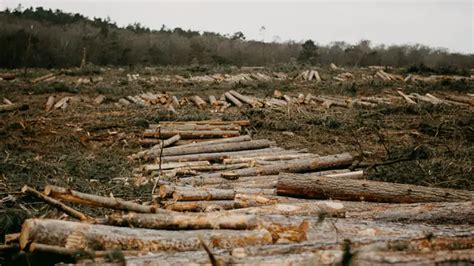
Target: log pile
<point>225,198</point>
<point>309,75</point>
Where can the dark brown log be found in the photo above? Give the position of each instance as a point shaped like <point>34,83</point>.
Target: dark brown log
<point>57,204</point>
<point>94,200</point>
<point>217,156</point>
<point>436,213</point>
<point>185,221</point>
<point>294,166</point>
<point>222,147</point>
<point>318,187</point>
<point>104,237</point>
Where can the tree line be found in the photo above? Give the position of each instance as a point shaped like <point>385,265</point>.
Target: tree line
<point>52,38</point>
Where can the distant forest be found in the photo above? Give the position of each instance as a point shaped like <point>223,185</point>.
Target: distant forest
<point>52,38</point>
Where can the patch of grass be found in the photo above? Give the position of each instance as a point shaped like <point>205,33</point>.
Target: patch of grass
<point>44,88</point>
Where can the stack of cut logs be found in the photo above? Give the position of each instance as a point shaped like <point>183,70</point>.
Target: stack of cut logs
<point>309,75</point>
<point>225,199</point>
<point>279,99</point>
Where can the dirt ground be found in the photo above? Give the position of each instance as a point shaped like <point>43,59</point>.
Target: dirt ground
<point>85,147</point>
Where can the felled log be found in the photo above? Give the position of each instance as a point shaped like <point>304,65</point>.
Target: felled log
<point>277,157</point>
<point>461,99</point>
<point>201,206</point>
<point>207,122</point>
<point>189,134</point>
<point>218,156</point>
<point>175,101</point>
<point>50,103</point>
<point>444,257</point>
<point>216,167</point>
<point>55,203</point>
<point>94,200</point>
<point>232,99</point>
<point>248,100</point>
<point>154,127</point>
<point>213,100</point>
<point>294,166</point>
<point>223,147</point>
<point>99,99</point>
<point>173,165</point>
<point>405,97</point>
<point>199,102</point>
<point>13,107</point>
<point>308,186</point>
<point>204,142</point>
<point>203,194</point>
<point>156,149</point>
<point>316,208</point>
<point>436,213</point>
<point>42,78</point>
<point>61,103</point>
<point>185,221</point>
<point>105,237</point>
<point>6,101</point>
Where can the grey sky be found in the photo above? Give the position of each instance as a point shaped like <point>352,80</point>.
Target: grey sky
<point>448,24</point>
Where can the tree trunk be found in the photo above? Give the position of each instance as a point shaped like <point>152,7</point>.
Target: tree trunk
<point>50,103</point>
<point>249,100</point>
<point>232,99</point>
<point>94,200</point>
<point>436,213</point>
<point>190,134</point>
<point>156,149</point>
<point>294,166</point>
<point>193,127</point>
<point>309,186</point>
<point>207,122</point>
<point>185,221</point>
<point>104,237</point>
<point>205,206</point>
<point>222,147</point>
<point>406,98</point>
<point>200,103</point>
<point>57,204</point>
<point>202,194</point>
<point>218,156</point>
<point>461,99</point>
<point>218,141</point>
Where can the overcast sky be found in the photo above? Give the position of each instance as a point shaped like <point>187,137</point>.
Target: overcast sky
<point>448,24</point>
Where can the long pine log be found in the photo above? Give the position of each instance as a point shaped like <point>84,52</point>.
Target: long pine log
<point>323,187</point>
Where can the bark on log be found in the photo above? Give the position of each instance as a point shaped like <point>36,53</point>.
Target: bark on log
<point>203,194</point>
<point>192,134</point>
<point>13,107</point>
<point>94,200</point>
<point>201,206</point>
<point>218,141</point>
<point>185,221</point>
<point>308,186</point>
<point>294,166</point>
<point>57,204</point>
<point>222,147</point>
<point>104,237</point>
<point>436,213</point>
<point>315,209</point>
<point>208,122</point>
<point>192,127</point>
<point>218,156</point>
<point>172,165</point>
<point>156,149</point>
<point>277,157</point>
<point>42,78</point>
<point>232,99</point>
<point>175,101</point>
<point>246,99</point>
